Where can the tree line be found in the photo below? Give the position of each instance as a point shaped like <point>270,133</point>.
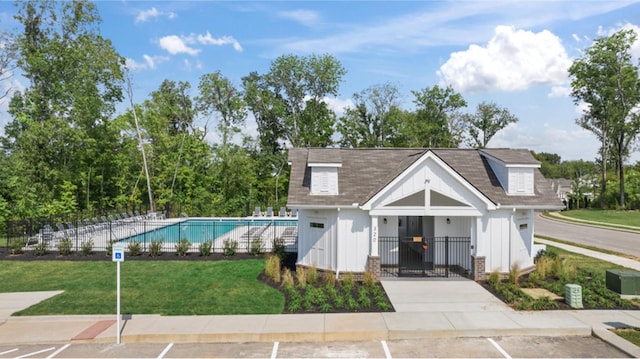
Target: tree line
<point>66,150</point>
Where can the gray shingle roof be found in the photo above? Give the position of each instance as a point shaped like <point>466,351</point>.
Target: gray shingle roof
<point>366,171</point>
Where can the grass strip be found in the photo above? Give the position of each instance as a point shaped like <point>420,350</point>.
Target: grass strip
<point>605,216</point>
<point>570,217</point>
<point>147,287</point>
<point>584,246</point>
<point>629,334</point>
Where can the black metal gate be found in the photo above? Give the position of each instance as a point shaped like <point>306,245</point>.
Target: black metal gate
<point>425,256</point>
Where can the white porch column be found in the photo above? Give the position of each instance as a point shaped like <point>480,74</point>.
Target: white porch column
<point>373,251</point>
<point>427,192</point>
<point>476,237</point>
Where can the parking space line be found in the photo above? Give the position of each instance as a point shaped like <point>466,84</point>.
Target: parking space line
<point>165,351</point>
<point>497,346</point>
<point>9,351</point>
<point>58,351</point>
<point>36,353</point>
<point>274,351</point>
<point>385,347</point>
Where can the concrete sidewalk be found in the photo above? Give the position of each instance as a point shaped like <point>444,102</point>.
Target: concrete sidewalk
<point>490,319</point>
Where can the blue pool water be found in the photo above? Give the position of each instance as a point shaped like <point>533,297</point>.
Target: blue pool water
<point>202,230</point>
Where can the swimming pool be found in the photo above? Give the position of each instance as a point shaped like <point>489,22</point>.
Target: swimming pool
<point>204,230</point>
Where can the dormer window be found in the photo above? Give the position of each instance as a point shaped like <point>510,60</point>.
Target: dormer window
<point>324,172</point>
<point>520,181</point>
<point>324,180</point>
<point>514,170</point>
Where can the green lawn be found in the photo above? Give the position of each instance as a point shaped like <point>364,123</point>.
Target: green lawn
<point>630,334</point>
<point>626,218</point>
<point>147,287</point>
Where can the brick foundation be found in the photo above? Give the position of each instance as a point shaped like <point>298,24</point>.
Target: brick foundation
<point>478,268</point>
<point>373,265</point>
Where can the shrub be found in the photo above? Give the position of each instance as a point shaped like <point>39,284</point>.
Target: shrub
<point>514,274</point>
<point>109,249</point>
<point>368,279</point>
<point>312,275</point>
<point>182,247</point>
<point>41,248</point>
<point>533,279</point>
<point>229,247</point>
<point>287,278</point>
<point>330,279</point>
<point>279,248</point>
<point>351,303</point>
<point>272,268</point>
<point>494,279</point>
<point>348,281</point>
<point>155,249</point>
<point>256,247</point>
<point>363,297</point>
<point>87,247</point>
<point>301,276</point>
<point>543,264</point>
<point>205,248</point>
<point>134,248</point>
<point>16,245</point>
<point>64,246</point>
<point>567,272</point>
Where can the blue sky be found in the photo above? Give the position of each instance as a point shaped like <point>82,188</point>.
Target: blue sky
<point>513,53</point>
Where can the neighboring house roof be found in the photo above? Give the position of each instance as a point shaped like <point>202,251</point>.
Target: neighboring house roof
<point>366,171</point>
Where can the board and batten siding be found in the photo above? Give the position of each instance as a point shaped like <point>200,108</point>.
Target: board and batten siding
<point>507,239</point>
<point>354,228</point>
<point>317,233</point>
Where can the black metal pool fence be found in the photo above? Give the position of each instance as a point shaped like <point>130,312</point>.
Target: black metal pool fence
<point>250,235</point>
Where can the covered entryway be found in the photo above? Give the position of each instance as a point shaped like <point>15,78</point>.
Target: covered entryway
<point>417,252</point>
<point>425,256</point>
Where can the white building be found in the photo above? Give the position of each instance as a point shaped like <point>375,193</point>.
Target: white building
<point>417,211</point>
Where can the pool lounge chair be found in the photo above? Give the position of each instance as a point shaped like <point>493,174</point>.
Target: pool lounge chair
<point>257,212</point>
<point>283,212</point>
<point>269,211</point>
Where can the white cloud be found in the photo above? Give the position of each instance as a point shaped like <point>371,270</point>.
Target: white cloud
<point>338,105</point>
<point>560,91</point>
<point>305,17</point>
<point>225,40</point>
<point>511,60</point>
<point>176,45</point>
<point>572,144</point>
<point>146,15</point>
<point>150,63</point>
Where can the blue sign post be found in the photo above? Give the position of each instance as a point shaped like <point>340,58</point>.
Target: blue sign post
<point>117,255</point>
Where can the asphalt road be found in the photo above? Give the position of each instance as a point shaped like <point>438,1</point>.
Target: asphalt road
<point>613,240</point>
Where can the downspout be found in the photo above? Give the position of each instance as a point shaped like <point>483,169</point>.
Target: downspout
<point>511,224</point>
<point>337,244</point>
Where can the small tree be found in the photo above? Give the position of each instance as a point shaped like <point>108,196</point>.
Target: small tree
<point>486,122</point>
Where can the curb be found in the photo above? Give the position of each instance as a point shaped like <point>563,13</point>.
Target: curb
<point>618,342</point>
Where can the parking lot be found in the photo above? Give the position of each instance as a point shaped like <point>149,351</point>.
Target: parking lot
<point>497,347</point>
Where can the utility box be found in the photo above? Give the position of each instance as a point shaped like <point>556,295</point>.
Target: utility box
<point>573,295</point>
<point>625,282</point>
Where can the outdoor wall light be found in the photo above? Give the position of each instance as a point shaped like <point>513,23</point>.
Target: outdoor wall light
<point>448,220</point>
<point>384,221</point>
